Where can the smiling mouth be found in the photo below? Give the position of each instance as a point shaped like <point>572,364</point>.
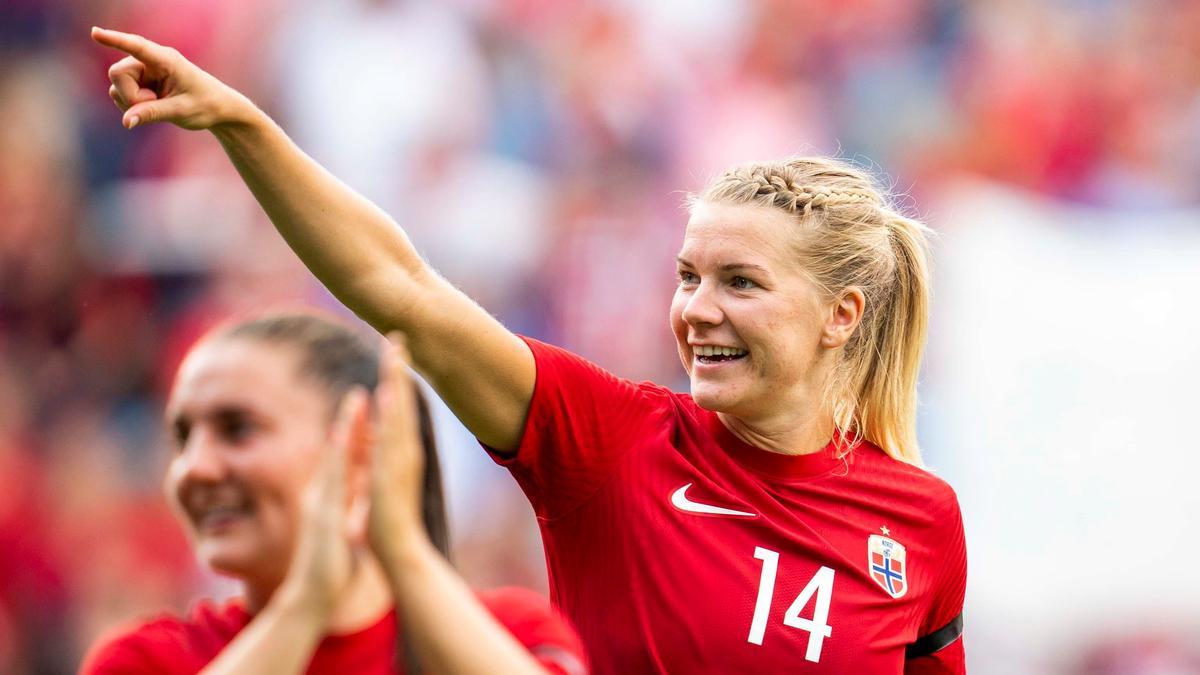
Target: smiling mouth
<point>212,510</point>
<point>219,518</point>
<point>711,355</point>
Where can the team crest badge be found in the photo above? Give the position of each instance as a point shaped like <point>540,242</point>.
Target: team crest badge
<point>887,565</point>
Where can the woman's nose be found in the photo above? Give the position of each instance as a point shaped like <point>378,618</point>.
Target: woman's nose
<point>202,458</point>
<point>703,308</point>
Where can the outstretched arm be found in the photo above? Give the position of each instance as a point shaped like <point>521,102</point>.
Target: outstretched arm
<point>483,372</point>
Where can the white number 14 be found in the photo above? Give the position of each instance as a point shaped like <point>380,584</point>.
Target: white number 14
<point>821,584</point>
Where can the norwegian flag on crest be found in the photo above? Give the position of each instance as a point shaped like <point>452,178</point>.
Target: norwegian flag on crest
<point>887,565</point>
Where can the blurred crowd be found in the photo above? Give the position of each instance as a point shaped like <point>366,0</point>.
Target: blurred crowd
<point>538,152</point>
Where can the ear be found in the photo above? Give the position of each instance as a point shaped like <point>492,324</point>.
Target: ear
<point>842,317</point>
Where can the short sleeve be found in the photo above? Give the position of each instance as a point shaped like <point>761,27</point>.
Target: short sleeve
<point>546,634</point>
<point>943,620</point>
<point>949,660</point>
<point>582,420</point>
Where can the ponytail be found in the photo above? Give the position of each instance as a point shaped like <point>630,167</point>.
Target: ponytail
<point>887,394</point>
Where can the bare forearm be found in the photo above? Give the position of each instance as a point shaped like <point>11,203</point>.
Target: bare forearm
<point>351,245</point>
<point>280,639</point>
<point>481,370</point>
<point>451,631</point>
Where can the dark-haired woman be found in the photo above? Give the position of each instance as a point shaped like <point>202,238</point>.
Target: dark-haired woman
<point>339,544</point>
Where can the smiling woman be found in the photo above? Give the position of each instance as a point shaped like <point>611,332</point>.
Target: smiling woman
<point>236,410</point>
<point>774,519</point>
<point>335,543</point>
<point>812,250</point>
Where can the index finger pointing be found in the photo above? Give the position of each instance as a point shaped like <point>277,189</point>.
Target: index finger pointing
<point>134,45</point>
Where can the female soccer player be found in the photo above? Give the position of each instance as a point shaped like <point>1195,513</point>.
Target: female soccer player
<point>776,519</point>
<point>334,541</point>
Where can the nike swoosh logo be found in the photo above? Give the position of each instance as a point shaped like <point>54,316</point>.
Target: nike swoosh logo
<point>680,501</point>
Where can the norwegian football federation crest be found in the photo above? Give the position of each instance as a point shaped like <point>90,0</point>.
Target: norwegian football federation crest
<point>887,564</point>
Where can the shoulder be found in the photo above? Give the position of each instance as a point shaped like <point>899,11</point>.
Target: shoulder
<point>514,606</point>
<point>137,647</point>
<point>166,643</point>
<point>535,624</point>
<point>562,374</point>
<point>927,489</point>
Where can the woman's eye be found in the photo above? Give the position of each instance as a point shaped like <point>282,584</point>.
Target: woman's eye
<point>180,431</point>
<point>235,429</point>
<point>742,283</point>
<point>688,277</point>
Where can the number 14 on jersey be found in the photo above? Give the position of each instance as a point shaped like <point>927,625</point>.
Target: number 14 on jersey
<point>821,585</point>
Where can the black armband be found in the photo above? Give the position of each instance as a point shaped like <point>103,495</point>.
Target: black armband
<point>935,641</point>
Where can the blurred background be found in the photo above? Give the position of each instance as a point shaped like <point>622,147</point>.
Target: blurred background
<point>539,153</point>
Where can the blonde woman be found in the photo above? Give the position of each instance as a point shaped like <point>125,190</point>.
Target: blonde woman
<point>774,520</point>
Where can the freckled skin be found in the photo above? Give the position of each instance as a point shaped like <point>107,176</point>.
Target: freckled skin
<point>768,307</point>
<point>266,457</point>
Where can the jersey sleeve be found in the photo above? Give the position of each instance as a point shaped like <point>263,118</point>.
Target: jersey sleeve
<point>943,622</point>
<point>950,660</point>
<point>582,420</point>
<point>546,634</point>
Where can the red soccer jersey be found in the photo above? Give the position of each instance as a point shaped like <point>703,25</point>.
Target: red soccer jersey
<point>175,646</point>
<point>674,547</point>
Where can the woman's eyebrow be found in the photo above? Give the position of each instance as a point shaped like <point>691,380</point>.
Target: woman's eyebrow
<point>730,267</point>
<point>727,267</point>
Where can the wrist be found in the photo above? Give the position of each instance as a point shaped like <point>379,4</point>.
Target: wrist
<point>238,116</point>
<point>405,554</point>
<point>301,600</point>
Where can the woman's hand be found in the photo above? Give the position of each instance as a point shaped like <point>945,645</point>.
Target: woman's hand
<point>155,83</point>
<point>398,460</point>
<point>330,538</point>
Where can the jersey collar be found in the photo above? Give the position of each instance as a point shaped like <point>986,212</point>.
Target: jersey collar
<point>775,464</point>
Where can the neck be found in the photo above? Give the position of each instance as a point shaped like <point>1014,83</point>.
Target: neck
<point>364,601</point>
<point>790,435</point>
<point>800,420</point>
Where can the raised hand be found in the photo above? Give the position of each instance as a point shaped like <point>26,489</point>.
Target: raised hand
<point>330,532</point>
<point>398,459</point>
<point>155,83</point>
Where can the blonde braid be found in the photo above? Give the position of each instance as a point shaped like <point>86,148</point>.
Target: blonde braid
<point>781,185</point>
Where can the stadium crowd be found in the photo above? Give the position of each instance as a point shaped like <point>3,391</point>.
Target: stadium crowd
<point>538,152</point>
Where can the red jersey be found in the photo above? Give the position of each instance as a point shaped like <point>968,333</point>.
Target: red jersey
<point>674,547</point>
<point>175,646</point>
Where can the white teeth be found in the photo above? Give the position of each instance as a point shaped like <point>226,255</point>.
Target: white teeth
<point>710,350</point>
<point>207,508</point>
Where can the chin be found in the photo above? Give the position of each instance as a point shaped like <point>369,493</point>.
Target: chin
<point>716,397</point>
<point>227,559</point>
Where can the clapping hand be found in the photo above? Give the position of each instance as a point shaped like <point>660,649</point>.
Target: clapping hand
<point>331,535</point>
<point>397,474</point>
